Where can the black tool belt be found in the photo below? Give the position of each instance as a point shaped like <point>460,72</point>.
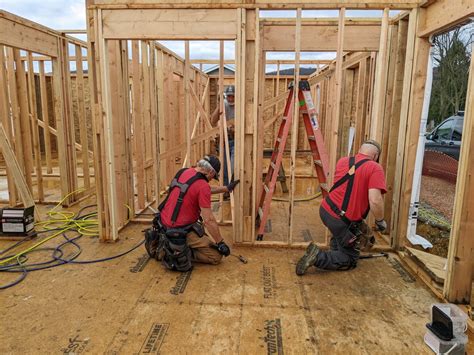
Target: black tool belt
<point>177,254</point>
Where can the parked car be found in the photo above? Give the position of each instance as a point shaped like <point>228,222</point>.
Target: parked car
<point>446,137</point>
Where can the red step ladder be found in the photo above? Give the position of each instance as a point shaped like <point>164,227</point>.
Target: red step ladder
<point>316,143</point>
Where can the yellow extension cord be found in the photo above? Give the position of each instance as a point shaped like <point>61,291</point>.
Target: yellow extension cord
<point>65,222</point>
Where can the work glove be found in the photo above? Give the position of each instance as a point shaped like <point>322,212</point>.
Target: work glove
<point>381,225</point>
<point>232,185</point>
<point>223,248</point>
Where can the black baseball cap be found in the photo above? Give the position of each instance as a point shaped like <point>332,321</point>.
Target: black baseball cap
<point>215,163</point>
<point>230,90</point>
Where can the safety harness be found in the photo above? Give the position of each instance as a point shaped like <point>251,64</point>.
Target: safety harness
<point>183,187</point>
<point>169,244</point>
<point>349,177</point>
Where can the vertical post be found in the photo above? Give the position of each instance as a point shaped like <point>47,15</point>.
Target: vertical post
<point>337,97</point>
<point>34,126</point>
<point>257,107</point>
<point>397,241</point>
<point>220,96</point>
<point>138,125</point>
<point>394,115</point>
<point>458,284</point>
<point>45,118</point>
<point>239,132</point>
<point>82,116</point>
<point>95,89</point>
<point>160,118</point>
<point>376,127</point>
<point>111,186</point>
<point>6,119</point>
<point>187,109</point>
<point>295,123</point>
<point>24,123</point>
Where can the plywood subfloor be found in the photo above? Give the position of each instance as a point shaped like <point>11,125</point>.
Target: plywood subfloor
<point>131,305</point>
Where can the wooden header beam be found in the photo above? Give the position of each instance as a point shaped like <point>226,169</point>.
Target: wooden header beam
<point>443,15</point>
<point>324,22</point>
<point>271,61</point>
<point>321,38</point>
<point>183,24</point>
<point>261,4</point>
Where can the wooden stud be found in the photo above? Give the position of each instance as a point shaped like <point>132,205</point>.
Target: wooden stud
<point>24,124</point>
<point>6,120</point>
<point>187,103</point>
<point>458,284</point>
<point>111,186</point>
<point>221,126</point>
<point>394,115</point>
<point>422,48</point>
<point>33,117</point>
<point>294,124</point>
<point>82,116</point>
<point>376,127</point>
<point>337,97</point>
<point>45,118</point>
<point>397,242</point>
<point>138,125</point>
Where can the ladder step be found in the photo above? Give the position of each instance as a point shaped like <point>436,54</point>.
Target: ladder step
<point>312,138</point>
<point>278,139</point>
<point>265,187</point>
<point>273,165</point>
<point>318,163</point>
<point>260,212</point>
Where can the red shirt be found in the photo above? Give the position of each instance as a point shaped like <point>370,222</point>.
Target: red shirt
<point>197,197</point>
<point>367,176</point>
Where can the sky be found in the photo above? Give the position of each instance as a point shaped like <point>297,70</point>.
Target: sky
<point>71,14</point>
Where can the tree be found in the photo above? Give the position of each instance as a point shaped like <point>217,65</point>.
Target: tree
<point>451,61</point>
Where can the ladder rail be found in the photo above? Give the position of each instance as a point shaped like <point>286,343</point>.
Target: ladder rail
<point>316,143</point>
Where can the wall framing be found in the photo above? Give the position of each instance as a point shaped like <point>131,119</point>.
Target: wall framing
<point>404,81</point>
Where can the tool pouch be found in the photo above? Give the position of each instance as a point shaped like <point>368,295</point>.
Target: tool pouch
<point>366,239</point>
<point>177,252</point>
<point>351,237</point>
<point>198,228</point>
<point>154,241</point>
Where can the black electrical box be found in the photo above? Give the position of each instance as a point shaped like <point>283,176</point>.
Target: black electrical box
<point>17,221</point>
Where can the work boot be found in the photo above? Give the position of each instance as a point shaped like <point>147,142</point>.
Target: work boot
<point>308,259</point>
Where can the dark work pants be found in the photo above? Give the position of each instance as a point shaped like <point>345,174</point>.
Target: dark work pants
<point>338,257</point>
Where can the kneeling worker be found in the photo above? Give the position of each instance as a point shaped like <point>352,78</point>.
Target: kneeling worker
<point>179,237</point>
<point>358,188</point>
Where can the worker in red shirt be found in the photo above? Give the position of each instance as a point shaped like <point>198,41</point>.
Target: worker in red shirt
<point>178,237</point>
<point>359,187</point>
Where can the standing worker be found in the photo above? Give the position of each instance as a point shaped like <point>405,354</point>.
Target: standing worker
<point>229,107</point>
<point>358,188</point>
<point>178,237</point>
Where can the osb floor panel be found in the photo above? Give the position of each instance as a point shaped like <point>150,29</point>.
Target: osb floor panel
<point>133,305</point>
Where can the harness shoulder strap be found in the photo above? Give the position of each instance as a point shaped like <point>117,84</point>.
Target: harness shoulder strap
<point>349,177</point>
<point>184,187</point>
<point>173,184</point>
